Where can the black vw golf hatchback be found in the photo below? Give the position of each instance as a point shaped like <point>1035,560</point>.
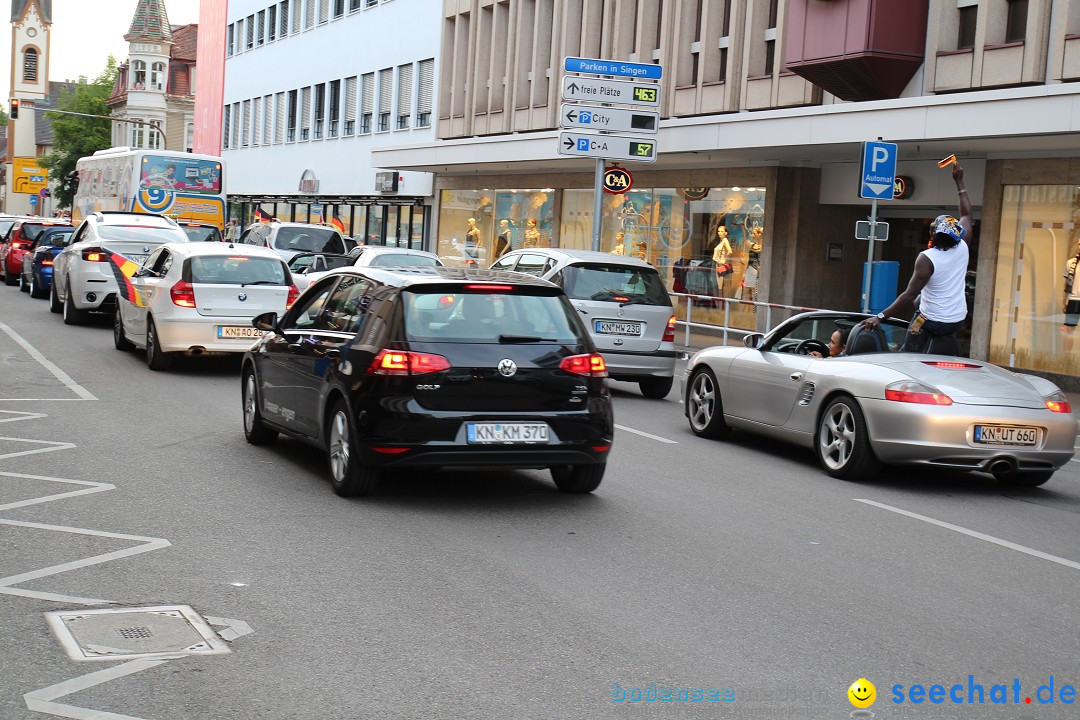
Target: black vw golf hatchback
<point>432,368</point>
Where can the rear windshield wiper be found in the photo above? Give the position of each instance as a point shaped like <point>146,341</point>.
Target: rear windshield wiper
<point>523,339</point>
<point>262,282</point>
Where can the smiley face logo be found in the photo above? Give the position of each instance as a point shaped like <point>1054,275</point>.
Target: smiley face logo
<point>862,693</point>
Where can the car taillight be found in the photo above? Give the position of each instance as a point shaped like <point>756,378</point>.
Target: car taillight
<point>915,392</point>
<point>669,331</point>
<point>401,362</point>
<point>15,244</point>
<point>47,261</point>
<point>951,365</point>
<point>183,294</point>
<point>591,365</point>
<point>95,255</point>
<point>490,288</point>
<point>294,292</point>
<point>1058,403</point>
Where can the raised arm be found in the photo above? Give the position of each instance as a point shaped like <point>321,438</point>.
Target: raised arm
<point>964,201</point>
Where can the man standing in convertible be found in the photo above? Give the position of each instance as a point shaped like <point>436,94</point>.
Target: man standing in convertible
<point>939,275</point>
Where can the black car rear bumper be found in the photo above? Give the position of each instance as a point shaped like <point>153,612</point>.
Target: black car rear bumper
<point>488,457</point>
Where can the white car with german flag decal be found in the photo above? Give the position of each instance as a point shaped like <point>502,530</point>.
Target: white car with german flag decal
<point>197,299</point>
<point>83,279</point>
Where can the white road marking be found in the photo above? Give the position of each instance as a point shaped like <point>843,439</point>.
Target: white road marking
<point>25,416</point>
<point>234,629</point>
<point>648,435</point>
<point>55,446</point>
<point>42,700</point>
<point>91,487</point>
<point>62,376</point>
<point>978,535</point>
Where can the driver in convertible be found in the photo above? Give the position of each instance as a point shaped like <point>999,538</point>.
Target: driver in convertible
<point>837,343</point>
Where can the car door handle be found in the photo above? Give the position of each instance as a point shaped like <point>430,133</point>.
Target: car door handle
<point>796,376</point>
<point>332,353</point>
<point>295,347</point>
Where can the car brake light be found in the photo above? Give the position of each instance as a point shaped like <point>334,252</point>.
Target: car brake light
<point>591,365</point>
<point>490,288</point>
<point>183,294</point>
<point>294,292</point>
<point>1058,403</point>
<point>915,392</point>
<point>95,255</point>
<point>669,331</point>
<point>621,298</point>
<point>951,365</point>
<point>46,262</point>
<point>390,450</point>
<point>15,244</point>
<point>401,362</point>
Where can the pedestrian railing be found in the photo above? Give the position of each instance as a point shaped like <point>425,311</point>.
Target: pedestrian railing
<point>728,303</point>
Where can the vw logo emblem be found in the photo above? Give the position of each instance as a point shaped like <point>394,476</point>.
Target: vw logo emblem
<point>242,297</point>
<point>507,367</point>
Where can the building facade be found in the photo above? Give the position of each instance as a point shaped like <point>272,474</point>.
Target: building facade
<point>311,87</point>
<point>764,108</point>
<point>31,29</point>
<point>155,87</point>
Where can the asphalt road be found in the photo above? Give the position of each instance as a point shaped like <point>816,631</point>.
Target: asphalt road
<point>736,566</point>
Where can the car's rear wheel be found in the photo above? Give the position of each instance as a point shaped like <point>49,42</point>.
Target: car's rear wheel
<point>843,442</point>
<point>254,430</point>
<point>9,279</point>
<point>54,299</point>
<point>35,289</point>
<point>578,478</point>
<point>156,359</point>
<point>120,340</point>
<point>23,285</point>
<point>656,388</point>
<point>704,407</point>
<point>1024,479</point>
<point>72,315</point>
<point>347,475</point>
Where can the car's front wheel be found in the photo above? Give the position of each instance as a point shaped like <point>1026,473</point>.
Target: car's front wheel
<point>120,340</point>
<point>1019,479</point>
<point>843,442</point>
<point>254,430</point>
<point>347,475</point>
<point>156,359</point>
<point>656,388</point>
<point>704,407</point>
<point>578,478</point>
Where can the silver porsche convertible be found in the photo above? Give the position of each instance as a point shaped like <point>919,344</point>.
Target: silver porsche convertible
<point>872,405</point>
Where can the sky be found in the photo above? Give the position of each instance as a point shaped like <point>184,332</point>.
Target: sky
<point>85,32</point>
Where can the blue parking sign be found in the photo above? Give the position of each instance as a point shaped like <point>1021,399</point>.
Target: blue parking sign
<point>878,170</point>
<point>33,200</point>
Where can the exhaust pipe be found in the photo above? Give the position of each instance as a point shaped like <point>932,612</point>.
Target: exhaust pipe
<point>1003,466</point>
<point>197,350</point>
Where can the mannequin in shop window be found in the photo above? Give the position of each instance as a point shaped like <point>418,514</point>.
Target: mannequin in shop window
<point>1071,305</point>
<point>532,235</point>
<point>721,253</point>
<point>620,244</point>
<point>504,240</point>
<point>473,239</point>
<point>641,250</point>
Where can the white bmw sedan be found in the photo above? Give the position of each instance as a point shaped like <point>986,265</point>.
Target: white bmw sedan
<point>200,298</point>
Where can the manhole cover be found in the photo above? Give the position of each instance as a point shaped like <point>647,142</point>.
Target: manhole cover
<point>127,633</point>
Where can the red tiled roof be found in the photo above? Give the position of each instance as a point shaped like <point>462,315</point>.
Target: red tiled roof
<point>185,42</point>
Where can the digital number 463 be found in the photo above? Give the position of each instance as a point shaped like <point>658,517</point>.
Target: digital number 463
<point>645,94</point>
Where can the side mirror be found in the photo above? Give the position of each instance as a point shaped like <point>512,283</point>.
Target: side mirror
<point>754,341</point>
<point>267,322</point>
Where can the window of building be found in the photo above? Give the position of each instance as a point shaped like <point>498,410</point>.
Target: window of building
<point>189,137</point>
<point>260,28</point>
<point>324,10</point>
<point>138,133</point>
<point>405,96</point>
<point>350,105</point>
<point>354,5</point>
<point>295,17</point>
<point>427,89</point>
<point>1016,21</point>
<point>367,100</point>
<point>279,115</point>
<point>284,17</point>
<point>230,37</point>
<point>157,77</point>
<point>386,81</point>
<point>335,108</point>
<point>372,3</point>
<point>138,75</point>
<point>305,113</point>
<point>256,119</point>
<point>309,15</point>
<point>968,17</point>
<point>339,8</point>
<point>245,126</point>
<point>192,72</point>
<point>271,23</point>
<point>227,115</point>
<point>320,109</point>
<point>268,118</point>
<point>249,37</point>
<point>291,136</point>
<point>30,65</point>
<point>236,125</point>
<point>155,140</point>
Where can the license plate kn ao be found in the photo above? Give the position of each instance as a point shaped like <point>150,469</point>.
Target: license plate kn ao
<point>1006,435</point>
<point>507,433</point>
<point>232,331</point>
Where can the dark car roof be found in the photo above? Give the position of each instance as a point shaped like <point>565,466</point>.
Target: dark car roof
<point>424,275</point>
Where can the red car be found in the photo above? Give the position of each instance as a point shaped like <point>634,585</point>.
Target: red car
<point>20,240</point>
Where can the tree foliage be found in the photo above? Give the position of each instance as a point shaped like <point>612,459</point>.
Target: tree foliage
<point>74,136</point>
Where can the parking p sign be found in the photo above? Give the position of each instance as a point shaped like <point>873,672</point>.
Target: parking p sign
<point>878,171</point>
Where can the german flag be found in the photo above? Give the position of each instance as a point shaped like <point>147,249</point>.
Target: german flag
<point>123,269</point>
<point>336,222</point>
<point>951,160</point>
<point>261,216</point>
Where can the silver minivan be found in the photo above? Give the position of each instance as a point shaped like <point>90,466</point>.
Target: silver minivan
<point>623,303</point>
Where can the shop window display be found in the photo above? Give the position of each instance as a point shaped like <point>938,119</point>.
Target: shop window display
<point>1036,310</point>
<point>484,224</point>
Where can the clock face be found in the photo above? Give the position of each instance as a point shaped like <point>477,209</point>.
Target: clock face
<point>31,32</point>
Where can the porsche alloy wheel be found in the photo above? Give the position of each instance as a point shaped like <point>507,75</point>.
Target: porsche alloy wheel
<point>703,406</point>
<point>843,442</point>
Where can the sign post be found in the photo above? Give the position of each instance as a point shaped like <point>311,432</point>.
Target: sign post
<point>876,182</point>
<point>607,119</point>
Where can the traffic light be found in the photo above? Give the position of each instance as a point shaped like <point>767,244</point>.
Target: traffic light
<point>14,108</point>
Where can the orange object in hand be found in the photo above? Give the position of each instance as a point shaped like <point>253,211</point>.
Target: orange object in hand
<point>951,160</point>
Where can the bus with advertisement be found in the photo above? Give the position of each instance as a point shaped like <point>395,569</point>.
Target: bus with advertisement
<point>184,186</point>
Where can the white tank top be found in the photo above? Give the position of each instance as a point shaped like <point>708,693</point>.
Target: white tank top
<point>943,297</point>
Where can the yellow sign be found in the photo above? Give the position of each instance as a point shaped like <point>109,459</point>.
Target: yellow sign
<point>29,177</point>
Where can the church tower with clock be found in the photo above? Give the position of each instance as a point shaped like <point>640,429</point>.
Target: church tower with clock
<point>31,24</point>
